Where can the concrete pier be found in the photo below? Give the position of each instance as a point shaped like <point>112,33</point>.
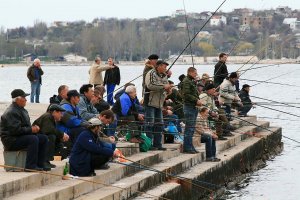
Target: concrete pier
<point>239,154</point>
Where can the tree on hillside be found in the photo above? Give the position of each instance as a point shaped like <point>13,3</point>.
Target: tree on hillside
<point>208,49</point>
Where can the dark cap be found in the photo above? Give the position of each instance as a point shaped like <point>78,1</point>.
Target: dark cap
<point>233,75</point>
<point>160,62</point>
<point>245,86</point>
<point>153,57</point>
<point>208,86</point>
<point>73,93</point>
<point>55,107</point>
<point>18,93</point>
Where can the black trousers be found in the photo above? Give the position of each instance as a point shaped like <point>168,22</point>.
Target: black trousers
<point>98,160</point>
<point>36,146</point>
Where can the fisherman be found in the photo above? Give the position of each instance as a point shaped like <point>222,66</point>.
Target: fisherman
<point>228,94</point>
<point>17,133</point>
<point>61,94</point>
<point>90,151</point>
<point>111,79</point>
<point>149,65</point>
<point>245,98</point>
<point>34,74</point>
<point>220,72</point>
<point>95,72</point>
<point>216,115</point>
<point>156,82</point>
<point>208,136</point>
<point>190,101</point>
<point>47,123</point>
<point>85,107</point>
<point>126,111</point>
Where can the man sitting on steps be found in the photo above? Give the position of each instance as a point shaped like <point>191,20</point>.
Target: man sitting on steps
<point>18,134</point>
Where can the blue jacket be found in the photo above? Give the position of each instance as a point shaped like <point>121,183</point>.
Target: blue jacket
<point>71,117</point>
<point>85,146</point>
<point>125,106</point>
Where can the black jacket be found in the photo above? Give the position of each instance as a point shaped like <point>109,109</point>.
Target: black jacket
<point>220,73</point>
<point>245,98</point>
<point>15,122</point>
<point>47,125</point>
<point>31,74</point>
<point>112,76</point>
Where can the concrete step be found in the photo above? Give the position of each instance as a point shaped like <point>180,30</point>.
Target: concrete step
<point>205,171</point>
<point>12,183</point>
<point>130,186</point>
<point>69,189</point>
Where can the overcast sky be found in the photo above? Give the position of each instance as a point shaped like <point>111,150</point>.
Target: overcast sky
<point>15,13</point>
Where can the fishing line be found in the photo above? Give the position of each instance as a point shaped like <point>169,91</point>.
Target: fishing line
<point>188,32</point>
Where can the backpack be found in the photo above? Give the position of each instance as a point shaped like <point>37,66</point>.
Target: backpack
<point>146,142</point>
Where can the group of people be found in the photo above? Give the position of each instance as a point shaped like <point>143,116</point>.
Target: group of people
<point>82,125</point>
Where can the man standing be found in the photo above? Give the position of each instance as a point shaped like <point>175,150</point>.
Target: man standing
<point>95,72</point>
<point>220,72</point>
<point>17,133</point>
<point>191,99</point>
<point>156,82</point>
<point>111,79</point>
<point>149,65</point>
<point>47,122</point>
<point>34,74</point>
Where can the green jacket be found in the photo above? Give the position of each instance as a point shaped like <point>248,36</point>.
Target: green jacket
<point>48,126</point>
<point>189,91</point>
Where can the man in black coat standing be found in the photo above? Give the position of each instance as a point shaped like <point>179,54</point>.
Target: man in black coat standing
<point>111,79</point>
<point>221,71</point>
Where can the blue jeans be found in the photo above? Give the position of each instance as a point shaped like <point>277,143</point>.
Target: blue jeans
<point>35,91</point>
<point>154,125</point>
<point>210,145</point>
<point>190,114</point>
<point>36,146</point>
<point>110,93</point>
<point>228,111</point>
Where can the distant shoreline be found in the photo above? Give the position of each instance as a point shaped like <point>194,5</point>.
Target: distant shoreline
<point>131,63</point>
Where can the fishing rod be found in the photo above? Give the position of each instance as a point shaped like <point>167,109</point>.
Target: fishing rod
<point>196,35</point>
<point>275,83</point>
<point>78,178</point>
<point>188,180</point>
<point>279,111</point>
<point>188,32</point>
<point>276,77</point>
<point>275,101</point>
<point>181,51</point>
<point>264,47</point>
<point>278,118</point>
<point>265,129</point>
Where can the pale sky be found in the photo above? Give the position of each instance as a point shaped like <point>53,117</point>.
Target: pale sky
<point>15,13</point>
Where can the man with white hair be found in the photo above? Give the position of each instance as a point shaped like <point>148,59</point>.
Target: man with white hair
<point>126,111</point>
<point>17,133</point>
<point>34,74</point>
<point>95,72</point>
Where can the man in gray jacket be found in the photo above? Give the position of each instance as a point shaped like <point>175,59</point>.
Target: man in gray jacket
<point>156,82</point>
<point>228,94</point>
<point>86,108</point>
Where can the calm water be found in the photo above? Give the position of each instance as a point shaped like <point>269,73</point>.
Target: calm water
<point>278,180</point>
